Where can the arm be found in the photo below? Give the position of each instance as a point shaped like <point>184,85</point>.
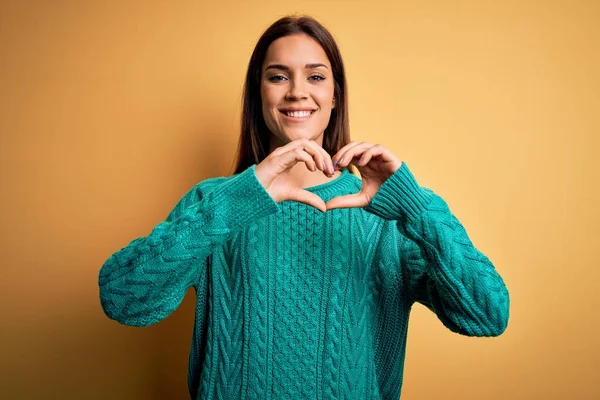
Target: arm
<point>146,281</point>
<point>441,268</point>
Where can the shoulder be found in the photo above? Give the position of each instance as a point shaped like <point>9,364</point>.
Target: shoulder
<point>195,194</point>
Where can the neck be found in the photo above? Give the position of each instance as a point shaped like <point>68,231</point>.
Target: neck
<point>302,177</point>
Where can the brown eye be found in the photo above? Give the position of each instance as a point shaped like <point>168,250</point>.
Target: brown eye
<point>273,78</point>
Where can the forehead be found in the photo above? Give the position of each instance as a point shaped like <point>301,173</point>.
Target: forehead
<point>295,51</point>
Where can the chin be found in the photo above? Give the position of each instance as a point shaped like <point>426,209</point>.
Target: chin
<point>300,135</point>
<point>288,134</point>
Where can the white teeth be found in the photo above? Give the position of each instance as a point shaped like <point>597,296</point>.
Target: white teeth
<point>298,114</point>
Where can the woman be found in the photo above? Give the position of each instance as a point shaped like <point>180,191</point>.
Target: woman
<point>305,274</point>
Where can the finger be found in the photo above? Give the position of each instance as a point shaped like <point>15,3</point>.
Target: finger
<point>322,158</point>
<point>302,155</point>
<point>370,153</point>
<point>298,143</point>
<point>329,164</point>
<point>320,155</point>
<point>304,196</point>
<point>294,156</point>
<point>348,201</point>
<point>341,151</point>
<point>328,161</point>
<point>353,152</point>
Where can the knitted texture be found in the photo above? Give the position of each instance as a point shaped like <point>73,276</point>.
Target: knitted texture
<point>293,303</point>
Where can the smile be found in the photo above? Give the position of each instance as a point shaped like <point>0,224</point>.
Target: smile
<point>297,115</point>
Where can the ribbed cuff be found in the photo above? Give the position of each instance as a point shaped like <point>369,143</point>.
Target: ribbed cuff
<point>240,200</point>
<point>400,196</point>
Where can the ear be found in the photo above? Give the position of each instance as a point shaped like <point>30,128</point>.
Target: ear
<point>333,103</point>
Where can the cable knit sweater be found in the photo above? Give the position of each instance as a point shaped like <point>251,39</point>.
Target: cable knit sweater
<point>294,303</point>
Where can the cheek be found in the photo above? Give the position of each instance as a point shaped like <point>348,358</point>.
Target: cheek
<point>265,104</point>
<point>269,114</point>
<point>268,103</point>
<point>325,98</point>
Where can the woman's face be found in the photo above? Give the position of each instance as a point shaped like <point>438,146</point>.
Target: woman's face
<point>296,76</point>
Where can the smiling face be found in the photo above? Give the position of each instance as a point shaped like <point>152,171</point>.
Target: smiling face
<point>296,90</point>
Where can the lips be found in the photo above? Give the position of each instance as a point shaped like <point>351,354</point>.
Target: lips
<point>297,115</point>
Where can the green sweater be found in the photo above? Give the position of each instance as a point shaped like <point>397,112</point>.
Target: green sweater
<point>293,303</point>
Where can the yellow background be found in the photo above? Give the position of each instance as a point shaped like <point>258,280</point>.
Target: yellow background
<point>111,110</point>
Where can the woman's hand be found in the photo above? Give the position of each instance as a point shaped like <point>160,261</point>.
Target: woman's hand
<point>272,171</point>
<point>375,164</point>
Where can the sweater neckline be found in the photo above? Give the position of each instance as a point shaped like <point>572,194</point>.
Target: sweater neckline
<point>334,186</point>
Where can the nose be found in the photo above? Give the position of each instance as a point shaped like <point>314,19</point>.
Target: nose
<point>297,90</point>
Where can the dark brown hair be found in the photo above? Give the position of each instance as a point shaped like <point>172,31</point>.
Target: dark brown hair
<point>253,146</point>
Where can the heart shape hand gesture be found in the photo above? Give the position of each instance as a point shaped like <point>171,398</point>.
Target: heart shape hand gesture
<point>374,162</point>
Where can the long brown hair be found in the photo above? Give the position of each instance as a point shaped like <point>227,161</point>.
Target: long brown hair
<point>253,146</point>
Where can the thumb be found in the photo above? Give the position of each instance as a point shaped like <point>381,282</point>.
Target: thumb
<point>348,201</point>
<point>304,196</point>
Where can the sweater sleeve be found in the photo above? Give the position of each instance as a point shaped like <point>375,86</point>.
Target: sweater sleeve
<point>146,281</point>
<point>441,268</point>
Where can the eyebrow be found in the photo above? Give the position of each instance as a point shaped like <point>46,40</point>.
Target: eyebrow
<point>286,68</point>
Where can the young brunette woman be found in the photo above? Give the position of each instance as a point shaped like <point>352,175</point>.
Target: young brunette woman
<point>304,273</point>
